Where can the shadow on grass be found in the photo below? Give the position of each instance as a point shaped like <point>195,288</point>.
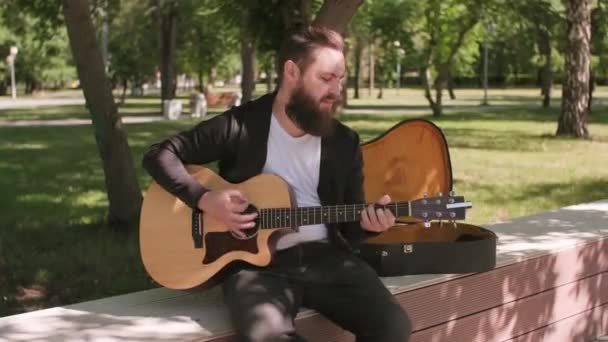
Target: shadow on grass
<point>53,206</point>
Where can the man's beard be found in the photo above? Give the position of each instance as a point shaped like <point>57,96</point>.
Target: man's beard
<point>307,114</point>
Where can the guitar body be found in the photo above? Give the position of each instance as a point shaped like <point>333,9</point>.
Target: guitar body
<point>166,233</point>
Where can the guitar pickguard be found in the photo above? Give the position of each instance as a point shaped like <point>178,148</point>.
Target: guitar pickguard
<point>220,243</point>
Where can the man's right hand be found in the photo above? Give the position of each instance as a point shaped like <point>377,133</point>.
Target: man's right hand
<point>227,207</point>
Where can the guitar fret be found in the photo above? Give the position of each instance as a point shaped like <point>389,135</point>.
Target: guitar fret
<point>336,214</point>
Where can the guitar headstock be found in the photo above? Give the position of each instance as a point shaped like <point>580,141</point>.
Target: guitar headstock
<point>440,207</point>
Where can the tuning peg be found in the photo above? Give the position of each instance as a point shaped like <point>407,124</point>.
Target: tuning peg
<point>451,193</point>
<point>438,214</point>
<point>440,194</point>
<point>427,224</point>
<point>452,214</point>
<point>425,194</point>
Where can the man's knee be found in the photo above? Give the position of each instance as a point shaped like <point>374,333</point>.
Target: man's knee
<point>267,323</point>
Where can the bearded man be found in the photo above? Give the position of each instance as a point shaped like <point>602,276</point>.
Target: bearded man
<point>291,133</point>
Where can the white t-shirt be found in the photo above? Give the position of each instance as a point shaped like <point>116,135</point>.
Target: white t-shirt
<point>297,161</point>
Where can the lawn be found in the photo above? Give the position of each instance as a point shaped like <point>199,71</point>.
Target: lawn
<point>55,249</point>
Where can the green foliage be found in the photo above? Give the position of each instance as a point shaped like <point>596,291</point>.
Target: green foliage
<point>133,43</point>
<point>207,39</point>
<point>44,56</point>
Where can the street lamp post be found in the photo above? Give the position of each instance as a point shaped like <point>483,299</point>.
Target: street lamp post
<point>400,54</point>
<point>11,62</point>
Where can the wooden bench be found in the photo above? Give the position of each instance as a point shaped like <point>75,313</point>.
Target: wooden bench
<point>550,284</point>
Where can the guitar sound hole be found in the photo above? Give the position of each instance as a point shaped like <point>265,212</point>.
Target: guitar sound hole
<point>249,232</point>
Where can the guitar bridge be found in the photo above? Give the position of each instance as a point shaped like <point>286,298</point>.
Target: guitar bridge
<point>197,228</point>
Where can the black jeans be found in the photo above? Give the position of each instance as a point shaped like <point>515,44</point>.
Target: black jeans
<point>263,302</point>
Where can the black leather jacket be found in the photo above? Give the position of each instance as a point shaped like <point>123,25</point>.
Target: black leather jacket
<point>238,139</point>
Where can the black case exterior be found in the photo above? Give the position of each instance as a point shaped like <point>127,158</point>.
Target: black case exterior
<point>408,249</point>
<point>473,251</point>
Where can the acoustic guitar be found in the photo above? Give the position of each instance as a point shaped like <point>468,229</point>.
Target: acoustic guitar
<point>184,248</point>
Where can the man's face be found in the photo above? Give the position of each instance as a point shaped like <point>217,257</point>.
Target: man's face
<point>316,96</point>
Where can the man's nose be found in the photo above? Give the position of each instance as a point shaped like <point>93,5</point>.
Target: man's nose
<point>336,88</point>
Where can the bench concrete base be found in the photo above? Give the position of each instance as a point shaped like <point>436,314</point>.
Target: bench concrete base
<point>550,284</point>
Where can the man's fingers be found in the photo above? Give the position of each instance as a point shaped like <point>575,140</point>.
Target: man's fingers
<point>390,218</point>
<point>243,218</point>
<point>238,207</point>
<point>382,220</point>
<point>386,199</point>
<point>239,233</point>
<point>236,196</point>
<point>373,220</point>
<point>365,219</point>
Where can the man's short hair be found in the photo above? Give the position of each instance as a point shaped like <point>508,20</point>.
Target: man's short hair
<point>300,44</point>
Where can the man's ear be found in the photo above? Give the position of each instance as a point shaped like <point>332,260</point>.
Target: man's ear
<point>291,71</point>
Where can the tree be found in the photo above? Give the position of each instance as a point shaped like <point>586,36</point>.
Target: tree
<point>446,25</point>
<point>122,187</point>
<point>337,14</point>
<point>541,19</point>
<point>167,11</point>
<point>43,53</point>
<point>208,39</point>
<point>136,62</point>
<point>575,97</point>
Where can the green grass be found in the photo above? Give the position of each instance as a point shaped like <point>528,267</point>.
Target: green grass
<point>55,249</point>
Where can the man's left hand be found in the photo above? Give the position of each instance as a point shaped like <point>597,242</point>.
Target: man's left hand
<point>377,220</point>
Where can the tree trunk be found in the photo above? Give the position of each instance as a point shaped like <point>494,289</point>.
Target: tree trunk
<point>575,98</point>
<point>425,78</point>
<point>269,77</point>
<point>358,53</point>
<point>372,66</point>
<point>168,33</point>
<point>306,11</point>
<point>451,85</point>
<point>123,96</point>
<point>248,49</point>
<point>122,188</point>
<point>439,86</point>
<point>201,80</point>
<point>546,77</point>
<point>591,89</point>
<point>337,14</point>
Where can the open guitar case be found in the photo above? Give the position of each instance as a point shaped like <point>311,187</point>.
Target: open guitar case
<point>407,161</point>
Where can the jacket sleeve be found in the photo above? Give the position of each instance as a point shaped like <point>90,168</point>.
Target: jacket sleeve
<point>354,194</point>
<point>208,141</point>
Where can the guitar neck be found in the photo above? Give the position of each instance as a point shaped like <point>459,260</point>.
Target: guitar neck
<point>286,217</point>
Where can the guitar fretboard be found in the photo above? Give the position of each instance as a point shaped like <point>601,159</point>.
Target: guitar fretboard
<point>292,217</point>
